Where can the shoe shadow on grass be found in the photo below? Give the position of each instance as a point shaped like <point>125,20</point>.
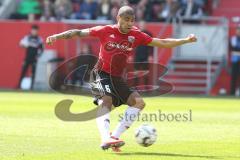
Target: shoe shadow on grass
<point>166,155</point>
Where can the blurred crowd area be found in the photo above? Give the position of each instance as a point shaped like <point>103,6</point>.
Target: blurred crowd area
<point>147,10</point>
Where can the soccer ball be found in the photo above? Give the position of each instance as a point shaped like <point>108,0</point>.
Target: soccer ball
<point>146,135</point>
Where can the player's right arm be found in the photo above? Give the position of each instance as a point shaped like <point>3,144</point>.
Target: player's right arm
<point>67,35</point>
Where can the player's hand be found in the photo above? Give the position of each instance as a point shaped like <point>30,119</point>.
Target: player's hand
<point>191,38</point>
<point>51,39</point>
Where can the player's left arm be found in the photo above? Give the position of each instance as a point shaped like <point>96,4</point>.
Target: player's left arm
<point>40,47</point>
<point>171,42</point>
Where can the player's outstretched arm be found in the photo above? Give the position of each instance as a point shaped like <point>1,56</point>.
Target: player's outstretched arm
<point>171,42</point>
<point>67,35</point>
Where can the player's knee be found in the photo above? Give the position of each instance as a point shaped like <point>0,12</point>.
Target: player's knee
<point>106,101</point>
<point>140,103</point>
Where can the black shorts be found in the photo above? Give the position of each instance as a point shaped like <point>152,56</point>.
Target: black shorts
<point>141,66</point>
<point>103,83</point>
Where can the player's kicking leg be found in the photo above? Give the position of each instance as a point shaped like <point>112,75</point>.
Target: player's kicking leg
<point>103,123</point>
<point>136,104</point>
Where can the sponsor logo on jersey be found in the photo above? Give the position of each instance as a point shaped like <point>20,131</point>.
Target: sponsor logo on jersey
<point>124,46</point>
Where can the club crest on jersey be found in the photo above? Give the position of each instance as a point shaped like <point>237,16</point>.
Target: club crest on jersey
<point>131,39</point>
<point>112,36</point>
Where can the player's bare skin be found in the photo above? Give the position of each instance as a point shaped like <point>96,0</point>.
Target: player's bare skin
<point>67,35</point>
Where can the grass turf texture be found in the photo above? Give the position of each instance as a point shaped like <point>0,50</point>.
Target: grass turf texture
<point>29,130</point>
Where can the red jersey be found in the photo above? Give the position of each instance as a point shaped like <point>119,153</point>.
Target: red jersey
<point>116,47</point>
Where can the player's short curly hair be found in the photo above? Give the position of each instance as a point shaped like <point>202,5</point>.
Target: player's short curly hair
<point>126,11</point>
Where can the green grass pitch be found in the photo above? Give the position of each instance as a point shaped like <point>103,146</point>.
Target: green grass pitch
<point>29,129</point>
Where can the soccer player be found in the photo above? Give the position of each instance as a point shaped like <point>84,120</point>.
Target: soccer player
<point>117,42</point>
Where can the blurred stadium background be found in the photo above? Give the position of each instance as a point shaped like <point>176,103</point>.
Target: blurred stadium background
<point>203,68</point>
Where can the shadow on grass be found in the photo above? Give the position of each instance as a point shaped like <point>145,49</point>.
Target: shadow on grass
<point>167,154</point>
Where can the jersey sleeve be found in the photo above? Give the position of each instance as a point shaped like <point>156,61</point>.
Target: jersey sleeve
<point>41,44</point>
<point>97,31</point>
<point>24,42</point>
<point>145,39</point>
